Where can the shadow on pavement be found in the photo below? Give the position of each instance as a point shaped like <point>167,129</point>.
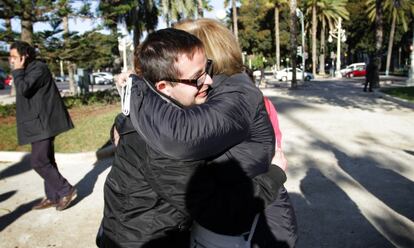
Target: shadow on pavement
<point>86,185</point>
<point>326,216</point>
<point>7,195</point>
<point>347,94</point>
<point>9,218</point>
<point>409,152</point>
<point>398,185</point>
<point>17,168</point>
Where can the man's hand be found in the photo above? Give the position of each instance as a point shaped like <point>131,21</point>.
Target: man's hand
<point>121,78</point>
<point>19,63</point>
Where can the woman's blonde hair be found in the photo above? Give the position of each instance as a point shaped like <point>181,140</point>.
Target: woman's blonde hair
<point>219,42</point>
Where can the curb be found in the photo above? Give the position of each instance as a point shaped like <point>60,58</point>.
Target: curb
<point>396,100</point>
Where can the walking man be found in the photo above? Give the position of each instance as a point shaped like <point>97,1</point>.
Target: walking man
<point>40,115</point>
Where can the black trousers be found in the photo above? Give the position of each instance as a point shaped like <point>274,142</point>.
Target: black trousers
<point>42,160</point>
<point>368,84</point>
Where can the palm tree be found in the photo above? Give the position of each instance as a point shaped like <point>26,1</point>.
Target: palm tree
<point>293,40</point>
<point>235,19</point>
<point>324,11</point>
<point>375,12</point>
<point>175,10</point>
<point>200,8</point>
<point>277,5</point>
<point>399,12</point>
<point>329,12</point>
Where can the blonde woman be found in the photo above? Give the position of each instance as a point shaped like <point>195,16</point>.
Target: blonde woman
<point>231,125</point>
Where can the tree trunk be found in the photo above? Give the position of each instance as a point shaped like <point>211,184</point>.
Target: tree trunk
<point>379,34</point>
<point>277,38</point>
<point>322,50</point>
<point>13,88</point>
<point>65,21</point>
<point>9,31</point>
<point>200,8</point>
<point>314,30</point>
<point>293,41</point>
<point>235,27</point>
<point>72,86</point>
<point>390,44</point>
<point>27,30</point>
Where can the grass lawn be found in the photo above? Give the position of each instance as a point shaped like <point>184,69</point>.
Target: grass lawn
<point>406,93</point>
<point>92,125</point>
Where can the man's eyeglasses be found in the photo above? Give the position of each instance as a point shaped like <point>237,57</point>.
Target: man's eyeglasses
<point>199,81</point>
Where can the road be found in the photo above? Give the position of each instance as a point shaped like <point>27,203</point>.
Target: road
<point>350,175</point>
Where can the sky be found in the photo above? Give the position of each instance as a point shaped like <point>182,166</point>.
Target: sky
<point>83,25</point>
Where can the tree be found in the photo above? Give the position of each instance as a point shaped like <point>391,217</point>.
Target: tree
<point>293,40</point>
<point>29,12</point>
<point>138,15</point>
<point>234,16</point>
<point>277,5</point>
<point>324,11</point>
<point>255,33</point>
<point>400,12</point>
<point>175,10</point>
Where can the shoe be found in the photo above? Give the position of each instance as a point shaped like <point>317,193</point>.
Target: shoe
<point>65,201</point>
<point>44,203</point>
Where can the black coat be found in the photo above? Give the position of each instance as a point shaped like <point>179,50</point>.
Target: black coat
<point>40,111</point>
<point>232,124</point>
<point>145,191</point>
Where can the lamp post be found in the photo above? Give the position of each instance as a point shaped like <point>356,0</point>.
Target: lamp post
<point>339,34</point>
<point>124,44</point>
<point>300,15</point>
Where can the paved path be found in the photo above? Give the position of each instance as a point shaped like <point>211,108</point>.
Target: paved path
<point>351,157</point>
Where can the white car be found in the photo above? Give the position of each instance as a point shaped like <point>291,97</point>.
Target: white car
<point>286,74</point>
<point>60,79</point>
<point>103,78</point>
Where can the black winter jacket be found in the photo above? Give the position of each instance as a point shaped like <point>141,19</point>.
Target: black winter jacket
<point>40,111</point>
<point>145,191</point>
<point>142,200</point>
<point>232,124</point>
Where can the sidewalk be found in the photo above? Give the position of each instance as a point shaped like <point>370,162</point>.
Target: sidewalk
<point>350,175</point>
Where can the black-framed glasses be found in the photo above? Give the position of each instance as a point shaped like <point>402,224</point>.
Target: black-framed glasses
<point>199,81</point>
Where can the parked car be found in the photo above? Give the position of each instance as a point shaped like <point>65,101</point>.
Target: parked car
<point>286,74</point>
<point>351,67</point>
<point>3,77</point>
<point>359,71</point>
<point>103,78</point>
<point>8,80</point>
<point>60,79</point>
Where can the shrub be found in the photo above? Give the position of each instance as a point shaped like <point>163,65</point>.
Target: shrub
<point>105,97</point>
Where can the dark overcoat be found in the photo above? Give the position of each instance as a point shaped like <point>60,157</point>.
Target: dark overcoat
<point>40,111</point>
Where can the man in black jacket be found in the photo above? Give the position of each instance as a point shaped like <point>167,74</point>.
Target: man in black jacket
<point>144,192</point>
<point>40,115</point>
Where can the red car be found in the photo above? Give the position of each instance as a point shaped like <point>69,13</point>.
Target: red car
<point>8,80</point>
<point>360,71</point>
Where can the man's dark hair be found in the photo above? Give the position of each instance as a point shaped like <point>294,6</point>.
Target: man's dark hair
<point>155,58</point>
<point>24,49</point>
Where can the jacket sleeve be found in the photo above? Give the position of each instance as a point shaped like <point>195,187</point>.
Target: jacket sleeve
<point>27,80</point>
<point>198,132</point>
<point>267,185</point>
